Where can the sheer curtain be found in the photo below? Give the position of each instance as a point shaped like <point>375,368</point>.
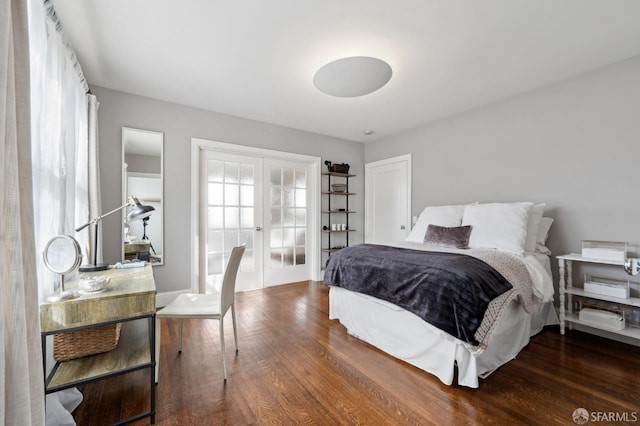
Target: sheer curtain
<point>93,179</point>
<point>60,138</point>
<point>21,386</point>
<point>64,159</point>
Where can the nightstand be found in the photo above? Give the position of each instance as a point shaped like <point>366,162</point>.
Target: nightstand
<point>131,300</point>
<point>629,307</point>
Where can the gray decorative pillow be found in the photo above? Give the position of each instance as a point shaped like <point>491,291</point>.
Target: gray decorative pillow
<point>454,237</point>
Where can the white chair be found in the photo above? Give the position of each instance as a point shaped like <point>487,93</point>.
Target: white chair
<point>209,306</point>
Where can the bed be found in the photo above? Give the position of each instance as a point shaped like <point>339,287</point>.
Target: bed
<point>512,231</point>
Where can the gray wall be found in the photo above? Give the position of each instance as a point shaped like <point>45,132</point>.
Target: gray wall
<point>179,124</point>
<point>574,145</point>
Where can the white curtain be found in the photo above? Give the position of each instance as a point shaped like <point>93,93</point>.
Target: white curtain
<point>60,139</point>
<point>65,160</point>
<point>93,178</point>
<point>21,384</point>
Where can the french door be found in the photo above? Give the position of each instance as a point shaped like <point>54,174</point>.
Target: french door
<point>264,203</point>
<point>231,215</point>
<point>286,225</point>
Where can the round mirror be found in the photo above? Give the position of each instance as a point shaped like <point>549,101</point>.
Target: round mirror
<point>62,254</point>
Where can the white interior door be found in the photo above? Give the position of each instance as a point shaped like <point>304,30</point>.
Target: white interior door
<point>268,204</point>
<point>231,194</point>
<point>287,211</point>
<point>388,200</point>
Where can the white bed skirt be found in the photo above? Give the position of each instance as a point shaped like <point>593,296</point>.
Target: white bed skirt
<point>407,337</point>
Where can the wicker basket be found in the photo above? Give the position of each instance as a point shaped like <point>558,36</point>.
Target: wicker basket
<point>339,168</point>
<point>90,341</point>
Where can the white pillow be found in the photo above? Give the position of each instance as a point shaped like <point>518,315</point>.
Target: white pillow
<point>543,230</point>
<point>501,226</point>
<point>447,216</point>
<point>532,227</point>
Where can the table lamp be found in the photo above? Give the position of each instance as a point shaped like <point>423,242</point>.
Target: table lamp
<point>138,212</point>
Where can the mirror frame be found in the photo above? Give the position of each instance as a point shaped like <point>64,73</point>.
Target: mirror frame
<point>160,209</point>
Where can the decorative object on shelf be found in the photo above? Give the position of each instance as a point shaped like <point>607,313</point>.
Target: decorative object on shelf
<point>62,255</point>
<point>337,168</point>
<point>339,187</point>
<point>93,283</point>
<point>603,318</point>
<point>632,318</point>
<point>138,212</point>
<point>632,266</point>
<point>607,286</point>
<point>605,250</point>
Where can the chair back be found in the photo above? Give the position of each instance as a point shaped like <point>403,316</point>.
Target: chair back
<point>228,292</point>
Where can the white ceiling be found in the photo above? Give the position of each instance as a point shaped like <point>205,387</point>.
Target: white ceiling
<point>256,59</point>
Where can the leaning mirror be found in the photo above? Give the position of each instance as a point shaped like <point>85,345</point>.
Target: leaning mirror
<point>142,177</point>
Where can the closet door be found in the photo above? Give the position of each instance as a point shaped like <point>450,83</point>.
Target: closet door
<point>231,203</point>
<point>387,198</point>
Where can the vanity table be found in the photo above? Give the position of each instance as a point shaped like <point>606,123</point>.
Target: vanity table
<point>130,299</point>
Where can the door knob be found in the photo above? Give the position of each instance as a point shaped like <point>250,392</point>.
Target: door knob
<point>258,228</point>
<point>401,226</point>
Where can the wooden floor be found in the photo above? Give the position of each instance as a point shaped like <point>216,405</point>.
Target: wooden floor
<point>295,366</point>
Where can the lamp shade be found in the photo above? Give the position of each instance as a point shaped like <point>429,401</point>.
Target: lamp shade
<point>139,212</point>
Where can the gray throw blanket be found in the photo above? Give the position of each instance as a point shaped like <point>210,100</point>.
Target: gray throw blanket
<point>448,290</point>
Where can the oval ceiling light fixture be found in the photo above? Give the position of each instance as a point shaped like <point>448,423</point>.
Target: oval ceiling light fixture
<point>353,76</point>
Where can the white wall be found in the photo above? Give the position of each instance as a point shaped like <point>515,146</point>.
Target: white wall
<point>179,124</point>
<point>574,145</point>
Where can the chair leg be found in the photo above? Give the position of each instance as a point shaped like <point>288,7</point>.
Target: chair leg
<point>235,330</point>
<point>224,362</point>
<point>180,336</point>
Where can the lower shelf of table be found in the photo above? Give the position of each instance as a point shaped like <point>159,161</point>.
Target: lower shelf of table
<point>131,353</point>
<point>633,332</point>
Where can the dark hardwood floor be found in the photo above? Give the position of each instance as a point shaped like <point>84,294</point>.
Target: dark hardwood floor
<point>295,366</point>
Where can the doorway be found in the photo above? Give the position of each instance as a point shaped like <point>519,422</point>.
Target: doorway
<point>261,198</point>
<point>387,198</point>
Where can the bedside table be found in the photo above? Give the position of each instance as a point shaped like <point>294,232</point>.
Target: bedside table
<point>567,291</point>
<point>130,300</point>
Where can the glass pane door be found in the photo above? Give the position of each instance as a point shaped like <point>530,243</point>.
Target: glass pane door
<point>286,222</point>
<point>232,202</point>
